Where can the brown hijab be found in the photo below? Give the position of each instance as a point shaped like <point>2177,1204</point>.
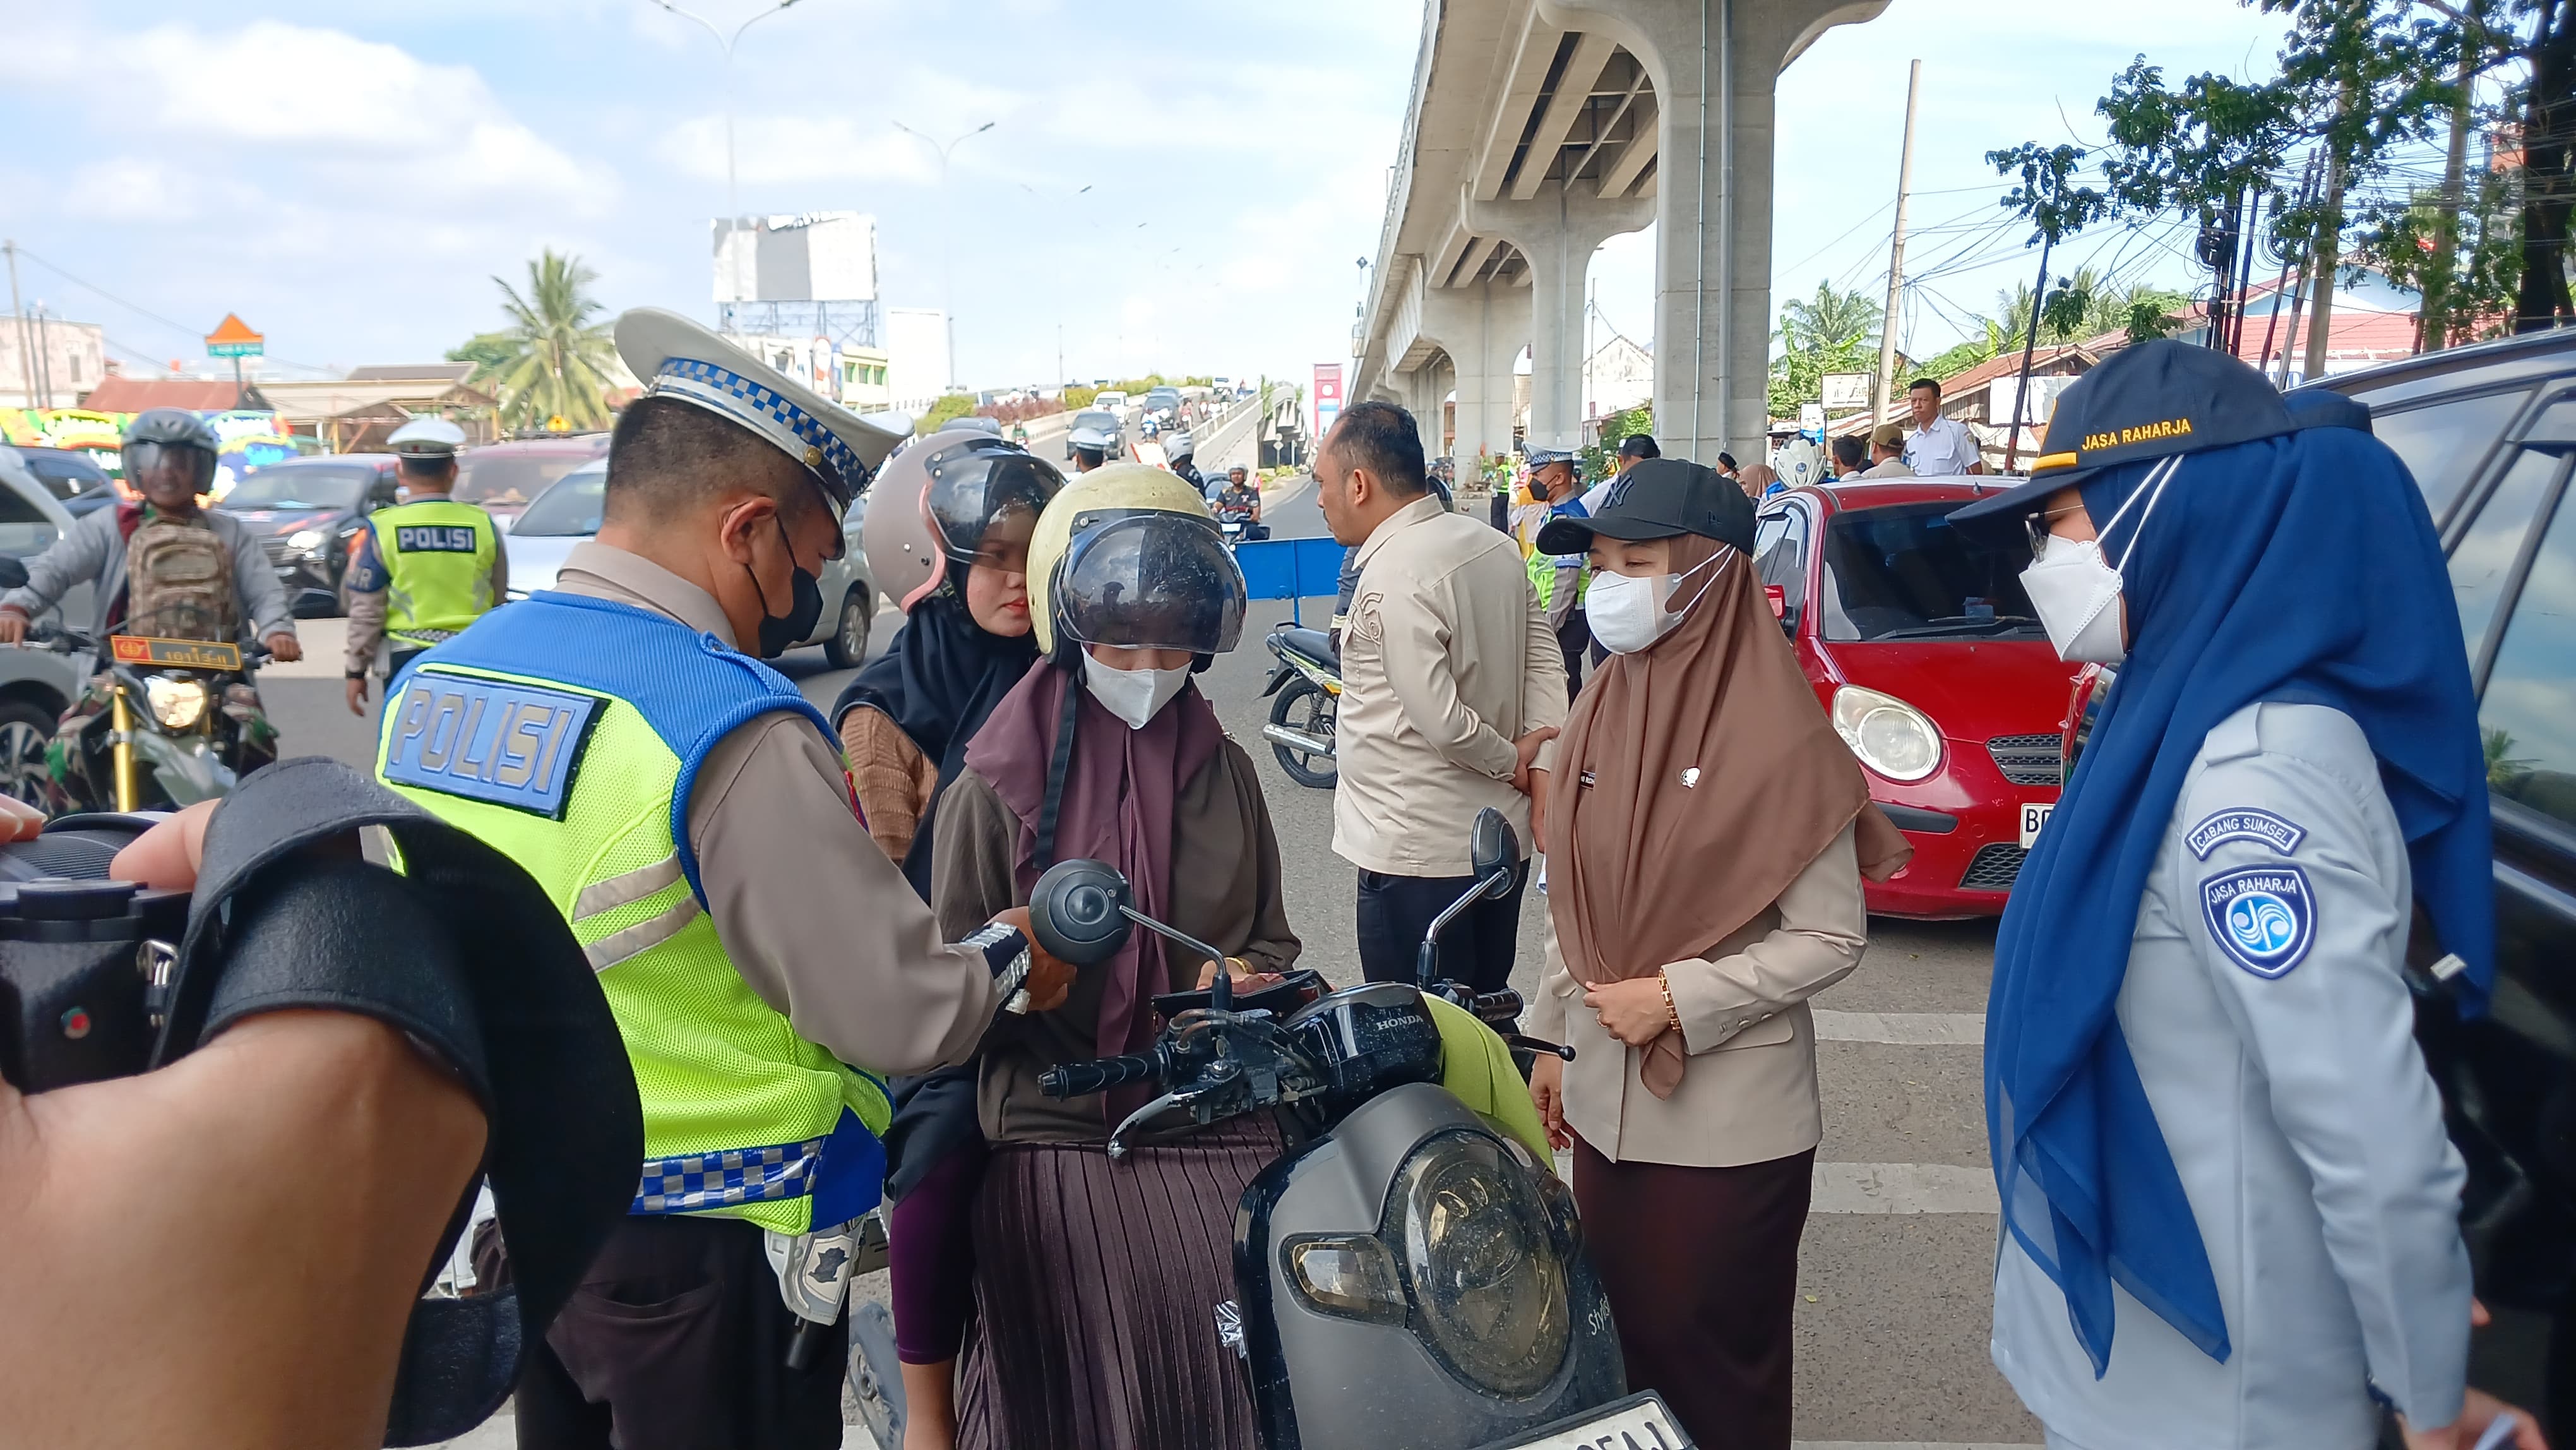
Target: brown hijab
<point>1695,780</point>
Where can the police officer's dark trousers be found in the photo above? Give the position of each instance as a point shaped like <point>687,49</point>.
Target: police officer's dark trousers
<point>677,1340</point>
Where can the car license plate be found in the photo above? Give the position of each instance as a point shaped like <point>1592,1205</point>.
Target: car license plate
<point>1639,1422</point>
<point>2034,814</point>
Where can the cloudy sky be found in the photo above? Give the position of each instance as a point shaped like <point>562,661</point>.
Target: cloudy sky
<point>348,176</point>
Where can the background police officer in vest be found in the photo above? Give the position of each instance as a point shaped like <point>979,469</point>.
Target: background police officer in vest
<point>767,964</point>
<point>1090,448</point>
<point>428,567</point>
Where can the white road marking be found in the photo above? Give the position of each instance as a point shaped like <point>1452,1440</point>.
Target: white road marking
<point>1906,1029</point>
<point>501,1432</point>
<point>1902,1188</point>
<point>1901,1445</point>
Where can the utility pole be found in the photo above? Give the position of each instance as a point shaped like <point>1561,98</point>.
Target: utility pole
<point>18,320</point>
<point>1880,395</point>
<point>2021,395</point>
<point>2329,253</point>
<point>44,364</point>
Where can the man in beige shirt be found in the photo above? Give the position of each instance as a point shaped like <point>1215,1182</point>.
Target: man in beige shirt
<point>1887,452</point>
<point>1451,681</point>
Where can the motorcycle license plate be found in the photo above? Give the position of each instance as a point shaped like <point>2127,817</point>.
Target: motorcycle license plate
<point>2034,814</point>
<point>192,654</point>
<point>1639,1422</point>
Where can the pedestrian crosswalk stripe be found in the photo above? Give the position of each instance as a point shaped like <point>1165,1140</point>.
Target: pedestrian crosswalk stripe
<point>1902,1188</point>
<point>1908,1029</point>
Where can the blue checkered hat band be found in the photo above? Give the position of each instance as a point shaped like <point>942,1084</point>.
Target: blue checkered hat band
<point>765,411</point>
<point>696,1182</point>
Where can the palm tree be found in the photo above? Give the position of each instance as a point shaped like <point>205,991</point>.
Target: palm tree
<point>553,361</point>
<point>1830,322</point>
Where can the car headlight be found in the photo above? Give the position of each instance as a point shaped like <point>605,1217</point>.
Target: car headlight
<point>177,700</point>
<point>1488,1288</point>
<point>1889,735</point>
<point>308,539</point>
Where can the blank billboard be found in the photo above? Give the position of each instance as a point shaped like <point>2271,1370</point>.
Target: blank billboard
<point>824,256</point>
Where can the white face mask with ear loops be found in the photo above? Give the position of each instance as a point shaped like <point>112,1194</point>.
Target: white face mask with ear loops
<point>1134,696</point>
<point>2077,593</point>
<point>1628,612</point>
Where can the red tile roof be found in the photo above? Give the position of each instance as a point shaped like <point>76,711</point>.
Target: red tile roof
<point>133,395</point>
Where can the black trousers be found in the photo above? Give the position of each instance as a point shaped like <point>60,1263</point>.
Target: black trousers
<point>1476,949</point>
<point>676,1339</point>
<point>397,658</point>
<point>1574,639</point>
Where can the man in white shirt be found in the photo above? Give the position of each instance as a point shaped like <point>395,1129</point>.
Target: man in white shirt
<point>1938,447</point>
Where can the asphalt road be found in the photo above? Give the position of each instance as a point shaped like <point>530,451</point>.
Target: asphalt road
<point>1897,1260</point>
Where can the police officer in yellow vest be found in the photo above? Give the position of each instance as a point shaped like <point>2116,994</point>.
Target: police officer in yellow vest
<point>767,963</point>
<point>427,567</point>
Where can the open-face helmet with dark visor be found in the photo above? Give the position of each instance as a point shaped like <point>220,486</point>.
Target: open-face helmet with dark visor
<point>1150,579</point>
<point>977,479</point>
<point>167,438</point>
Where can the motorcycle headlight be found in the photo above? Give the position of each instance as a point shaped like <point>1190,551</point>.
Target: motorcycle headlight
<point>307,539</point>
<point>1352,1275</point>
<point>1487,1284</point>
<point>177,701</point>
<point>1889,735</point>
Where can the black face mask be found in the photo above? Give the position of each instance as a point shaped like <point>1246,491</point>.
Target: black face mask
<point>804,609</point>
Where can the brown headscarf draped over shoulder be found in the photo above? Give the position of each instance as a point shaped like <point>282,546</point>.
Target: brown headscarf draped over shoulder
<point>1694,781</point>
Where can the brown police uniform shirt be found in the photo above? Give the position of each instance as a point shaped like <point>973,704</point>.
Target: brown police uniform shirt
<point>820,924</point>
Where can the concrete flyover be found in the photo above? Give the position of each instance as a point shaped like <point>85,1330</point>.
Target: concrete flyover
<point>1537,130</point>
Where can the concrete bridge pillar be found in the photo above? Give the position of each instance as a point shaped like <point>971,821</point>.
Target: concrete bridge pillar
<point>1715,65</point>
<point>1558,235</point>
<point>1482,326</point>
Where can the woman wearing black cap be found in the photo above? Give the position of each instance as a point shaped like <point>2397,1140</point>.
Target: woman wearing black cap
<point>2231,1213</point>
<point>1684,959</point>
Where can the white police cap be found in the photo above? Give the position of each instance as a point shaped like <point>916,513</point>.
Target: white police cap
<point>681,359</point>
<point>1094,439</point>
<point>427,438</point>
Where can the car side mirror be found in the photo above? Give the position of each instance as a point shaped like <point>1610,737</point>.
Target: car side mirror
<point>13,572</point>
<point>1778,597</point>
<point>1493,847</point>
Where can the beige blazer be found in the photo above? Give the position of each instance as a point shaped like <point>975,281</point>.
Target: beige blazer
<point>1749,1093</point>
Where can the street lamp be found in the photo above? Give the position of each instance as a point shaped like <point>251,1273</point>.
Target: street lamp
<point>727,41</point>
<point>948,223</point>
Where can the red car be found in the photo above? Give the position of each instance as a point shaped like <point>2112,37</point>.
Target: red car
<point>1933,668</point>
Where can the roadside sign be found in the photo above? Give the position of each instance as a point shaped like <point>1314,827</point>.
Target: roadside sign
<point>233,338</point>
<point>1328,395</point>
<point>1843,392</point>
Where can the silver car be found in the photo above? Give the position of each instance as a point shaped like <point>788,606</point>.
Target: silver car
<point>36,685</point>
<point>567,513</point>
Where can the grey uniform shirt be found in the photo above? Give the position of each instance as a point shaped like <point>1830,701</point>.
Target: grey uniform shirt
<point>2275,1037</point>
<point>819,922</point>
<point>93,552</point>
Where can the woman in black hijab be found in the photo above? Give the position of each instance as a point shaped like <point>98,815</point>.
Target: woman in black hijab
<point>947,536</point>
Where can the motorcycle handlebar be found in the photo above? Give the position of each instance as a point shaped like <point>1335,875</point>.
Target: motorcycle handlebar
<point>1080,1079</point>
<point>1492,1007</point>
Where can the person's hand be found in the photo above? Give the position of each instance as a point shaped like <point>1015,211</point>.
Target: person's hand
<point>19,821</point>
<point>1547,1092</point>
<point>1632,1011</point>
<point>305,1357</point>
<point>13,627</point>
<point>357,693</point>
<point>2477,1412</point>
<point>1050,978</point>
<point>1527,749</point>
<point>1243,981</point>
<point>284,648</point>
<point>1538,783</point>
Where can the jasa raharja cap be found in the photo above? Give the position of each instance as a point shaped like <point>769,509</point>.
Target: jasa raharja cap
<point>2150,400</point>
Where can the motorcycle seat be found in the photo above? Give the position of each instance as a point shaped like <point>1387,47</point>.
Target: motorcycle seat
<point>1314,644</point>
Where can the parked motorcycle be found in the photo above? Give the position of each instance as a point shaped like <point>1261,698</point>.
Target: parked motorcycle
<point>1305,693</point>
<point>1407,1277</point>
<point>172,732</point>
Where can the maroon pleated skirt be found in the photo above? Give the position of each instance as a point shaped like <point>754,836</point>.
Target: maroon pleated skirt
<point>1096,1292</point>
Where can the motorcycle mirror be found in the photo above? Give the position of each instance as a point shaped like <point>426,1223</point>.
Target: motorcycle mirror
<point>1492,848</point>
<point>13,572</point>
<point>1077,912</point>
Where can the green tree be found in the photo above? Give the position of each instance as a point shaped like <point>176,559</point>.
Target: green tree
<point>1832,331</point>
<point>554,360</point>
<point>2359,85</point>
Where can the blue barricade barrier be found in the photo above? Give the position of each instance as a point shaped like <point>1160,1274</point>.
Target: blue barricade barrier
<point>1291,569</point>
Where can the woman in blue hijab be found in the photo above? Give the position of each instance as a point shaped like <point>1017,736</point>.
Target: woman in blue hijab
<point>2230,1209</point>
